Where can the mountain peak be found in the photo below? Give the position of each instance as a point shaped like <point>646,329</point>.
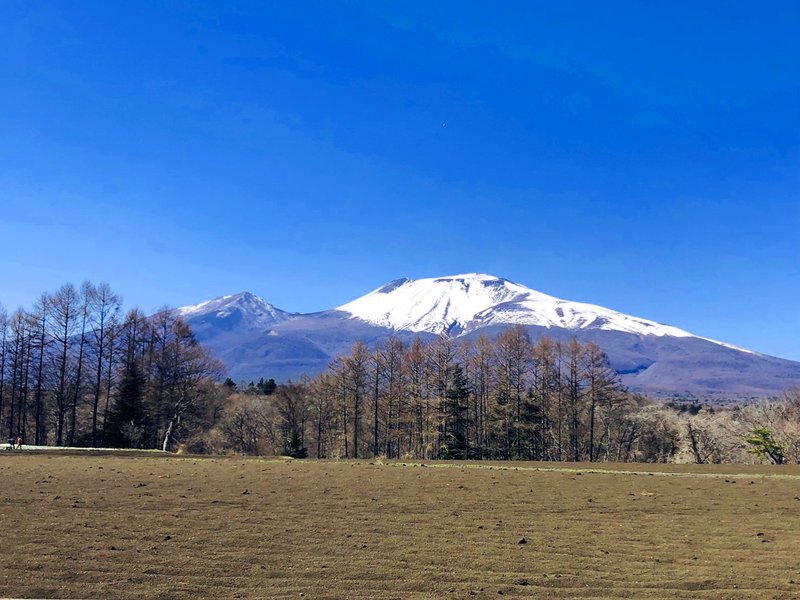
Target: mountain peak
<point>469,276</point>
<point>464,302</point>
<point>221,301</point>
<point>435,304</point>
<point>244,307</point>
<point>255,338</point>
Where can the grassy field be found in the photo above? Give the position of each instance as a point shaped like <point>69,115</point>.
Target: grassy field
<point>116,526</point>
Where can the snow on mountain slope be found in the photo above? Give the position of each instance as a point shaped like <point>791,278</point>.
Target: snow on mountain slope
<point>255,339</point>
<point>243,307</point>
<point>462,303</point>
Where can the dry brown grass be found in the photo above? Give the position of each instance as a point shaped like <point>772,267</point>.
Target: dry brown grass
<point>175,527</point>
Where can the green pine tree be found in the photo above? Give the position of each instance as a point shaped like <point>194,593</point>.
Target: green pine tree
<point>127,420</point>
<point>293,445</point>
<point>763,444</point>
<point>456,422</point>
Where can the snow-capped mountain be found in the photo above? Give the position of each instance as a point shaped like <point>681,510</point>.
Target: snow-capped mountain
<point>462,303</point>
<point>241,311</point>
<point>459,304</point>
<point>256,339</point>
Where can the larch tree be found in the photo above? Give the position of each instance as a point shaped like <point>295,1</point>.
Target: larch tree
<point>189,366</point>
<point>84,304</point>
<point>64,308</point>
<point>18,327</point>
<point>514,354</point>
<point>376,364</point>
<point>441,354</point>
<point>293,409</point>
<point>356,368</point>
<point>3,359</point>
<point>482,383</point>
<point>40,316</point>
<point>105,305</point>
<point>417,369</point>
<point>574,362</point>
<point>602,383</point>
<point>393,383</point>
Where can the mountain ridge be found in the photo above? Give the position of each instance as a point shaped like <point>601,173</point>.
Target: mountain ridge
<point>255,338</point>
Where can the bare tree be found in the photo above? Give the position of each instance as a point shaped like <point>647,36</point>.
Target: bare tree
<point>602,384</point>
<point>3,357</point>
<point>356,366</point>
<point>65,307</point>
<point>114,328</point>
<point>293,408</point>
<point>322,397</point>
<point>84,305</point>
<point>18,325</point>
<point>482,384</point>
<point>248,425</point>
<point>441,355</point>
<point>514,353</point>
<point>377,370</point>
<point>393,380</point>
<point>417,391</point>
<point>188,364</point>
<point>105,305</point>
<point>40,316</point>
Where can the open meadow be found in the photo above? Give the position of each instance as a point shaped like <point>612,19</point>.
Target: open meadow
<point>163,526</point>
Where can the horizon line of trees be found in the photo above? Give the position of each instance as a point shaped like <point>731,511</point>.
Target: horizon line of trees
<point>502,399</point>
<point>77,371</point>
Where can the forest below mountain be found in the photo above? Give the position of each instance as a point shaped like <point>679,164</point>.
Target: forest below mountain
<point>501,399</point>
<point>75,370</point>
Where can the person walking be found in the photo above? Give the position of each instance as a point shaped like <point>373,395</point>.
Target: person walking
<point>19,443</point>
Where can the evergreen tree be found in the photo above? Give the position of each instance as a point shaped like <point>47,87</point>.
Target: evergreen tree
<point>293,445</point>
<point>267,388</point>
<point>531,427</point>
<point>456,421</point>
<point>763,444</point>
<point>126,421</point>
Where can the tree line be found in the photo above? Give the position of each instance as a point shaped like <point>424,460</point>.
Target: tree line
<point>502,399</point>
<point>77,371</point>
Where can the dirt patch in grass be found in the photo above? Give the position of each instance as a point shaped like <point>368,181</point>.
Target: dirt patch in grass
<point>175,527</point>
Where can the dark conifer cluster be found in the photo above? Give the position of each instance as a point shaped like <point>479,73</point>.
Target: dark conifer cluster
<point>76,371</point>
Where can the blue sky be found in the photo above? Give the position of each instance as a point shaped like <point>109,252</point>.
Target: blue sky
<point>641,156</point>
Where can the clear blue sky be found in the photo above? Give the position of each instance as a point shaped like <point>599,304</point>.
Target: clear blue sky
<point>644,156</point>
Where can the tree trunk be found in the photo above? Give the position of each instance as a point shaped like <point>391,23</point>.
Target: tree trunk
<point>76,396</point>
<point>375,412</point>
<point>168,434</point>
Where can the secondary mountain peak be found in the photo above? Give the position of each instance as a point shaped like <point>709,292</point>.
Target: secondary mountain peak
<point>244,308</point>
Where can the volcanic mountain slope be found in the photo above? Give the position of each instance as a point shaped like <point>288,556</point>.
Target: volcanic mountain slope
<point>463,303</point>
<point>256,339</point>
